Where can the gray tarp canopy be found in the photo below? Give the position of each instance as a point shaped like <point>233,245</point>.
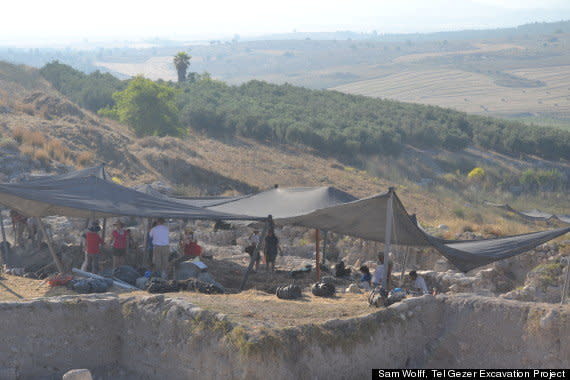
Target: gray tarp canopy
<point>532,214</point>
<point>192,201</point>
<point>366,218</point>
<point>86,194</point>
<point>93,197</point>
<point>97,171</point>
<point>287,202</point>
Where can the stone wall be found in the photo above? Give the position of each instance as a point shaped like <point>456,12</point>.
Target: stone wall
<point>156,337</point>
<point>50,336</point>
<point>494,333</point>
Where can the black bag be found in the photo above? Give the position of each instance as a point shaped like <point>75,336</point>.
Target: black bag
<point>378,297</point>
<point>289,292</point>
<point>159,285</point>
<point>323,289</point>
<point>196,285</point>
<point>127,274</point>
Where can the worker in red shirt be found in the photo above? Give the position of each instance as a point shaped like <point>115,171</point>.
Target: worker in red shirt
<point>120,241</point>
<point>190,246</point>
<point>93,243</point>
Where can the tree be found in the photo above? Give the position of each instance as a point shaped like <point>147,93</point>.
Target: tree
<point>148,107</point>
<point>182,62</point>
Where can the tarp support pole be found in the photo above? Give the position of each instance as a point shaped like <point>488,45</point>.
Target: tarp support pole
<point>146,228</point>
<point>404,262</point>
<point>318,254</point>
<point>388,237</point>
<point>325,235</point>
<point>255,254</point>
<point>104,229</point>
<point>56,259</point>
<point>566,281</point>
<point>3,257</point>
<point>104,219</point>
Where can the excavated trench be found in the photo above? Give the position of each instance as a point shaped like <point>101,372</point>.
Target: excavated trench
<point>162,338</point>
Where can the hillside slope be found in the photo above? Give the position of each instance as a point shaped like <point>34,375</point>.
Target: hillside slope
<point>42,131</point>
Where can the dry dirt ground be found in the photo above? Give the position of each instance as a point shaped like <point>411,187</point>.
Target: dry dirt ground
<point>253,308</point>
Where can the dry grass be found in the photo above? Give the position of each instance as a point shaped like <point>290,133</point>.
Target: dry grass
<point>14,288</point>
<point>256,308</point>
<point>57,150</point>
<point>18,134</point>
<point>42,155</point>
<point>85,158</point>
<point>27,150</point>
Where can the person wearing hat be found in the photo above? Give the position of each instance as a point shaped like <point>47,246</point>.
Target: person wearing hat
<point>93,243</point>
<point>160,247</point>
<point>120,242</point>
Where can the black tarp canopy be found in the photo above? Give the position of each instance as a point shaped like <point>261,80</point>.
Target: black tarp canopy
<point>93,197</point>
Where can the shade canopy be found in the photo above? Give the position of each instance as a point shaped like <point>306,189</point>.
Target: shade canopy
<point>96,171</point>
<point>192,201</point>
<point>286,202</point>
<point>330,209</point>
<point>467,255</point>
<point>534,215</point>
<point>86,193</point>
<point>93,197</point>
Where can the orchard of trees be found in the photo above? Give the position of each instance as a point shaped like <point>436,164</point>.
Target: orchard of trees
<point>337,124</point>
<point>93,91</point>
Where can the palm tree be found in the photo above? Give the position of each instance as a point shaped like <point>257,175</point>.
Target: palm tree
<point>181,62</point>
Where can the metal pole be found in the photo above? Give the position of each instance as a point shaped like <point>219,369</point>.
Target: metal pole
<point>318,254</point>
<point>56,259</point>
<point>255,254</point>
<point>388,236</point>
<point>566,281</point>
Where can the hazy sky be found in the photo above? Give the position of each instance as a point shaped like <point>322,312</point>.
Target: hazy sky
<point>127,19</point>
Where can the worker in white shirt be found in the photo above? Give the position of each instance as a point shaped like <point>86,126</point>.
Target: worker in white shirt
<point>380,271</point>
<point>160,247</point>
<point>419,284</point>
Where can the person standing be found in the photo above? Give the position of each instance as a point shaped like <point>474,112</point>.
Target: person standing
<point>254,241</point>
<point>271,249</point>
<point>160,247</point>
<point>120,241</point>
<point>93,243</point>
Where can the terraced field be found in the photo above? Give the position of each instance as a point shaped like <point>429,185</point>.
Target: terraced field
<point>474,92</point>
